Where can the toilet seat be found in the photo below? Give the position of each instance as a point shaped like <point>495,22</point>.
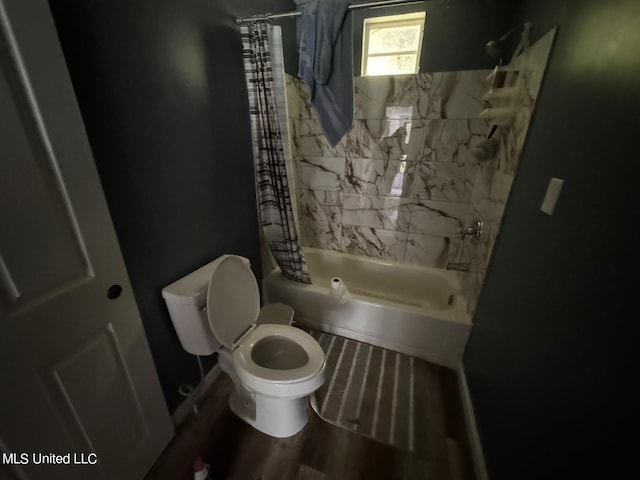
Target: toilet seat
<point>233,306</point>
<point>244,360</point>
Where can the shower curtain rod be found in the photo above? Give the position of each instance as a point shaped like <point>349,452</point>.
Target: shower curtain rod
<point>353,6</point>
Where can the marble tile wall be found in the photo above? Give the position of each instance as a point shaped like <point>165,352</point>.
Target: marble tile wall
<point>405,181</point>
<point>398,186</point>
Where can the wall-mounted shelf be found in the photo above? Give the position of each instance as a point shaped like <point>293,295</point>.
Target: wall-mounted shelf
<point>506,85</point>
<point>501,116</point>
<point>504,93</point>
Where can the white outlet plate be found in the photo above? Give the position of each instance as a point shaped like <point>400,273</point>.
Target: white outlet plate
<point>551,197</point>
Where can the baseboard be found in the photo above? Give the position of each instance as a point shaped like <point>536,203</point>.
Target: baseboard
<point>475,446</point>
<point>178,416</point>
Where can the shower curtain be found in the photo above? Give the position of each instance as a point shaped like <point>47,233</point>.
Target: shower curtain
<point>274,200</point>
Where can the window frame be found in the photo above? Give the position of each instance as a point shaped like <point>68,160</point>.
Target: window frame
<point>392,21</point>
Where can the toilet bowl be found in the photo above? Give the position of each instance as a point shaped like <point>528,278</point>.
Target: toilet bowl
<point>273,365</point>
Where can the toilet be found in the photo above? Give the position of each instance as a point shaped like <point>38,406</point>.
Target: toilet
<point>273,365</point>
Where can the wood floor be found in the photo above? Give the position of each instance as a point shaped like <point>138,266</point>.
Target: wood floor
<point>320,451</point>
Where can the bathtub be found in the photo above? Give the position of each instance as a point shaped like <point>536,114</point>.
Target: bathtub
<point>409,309</point>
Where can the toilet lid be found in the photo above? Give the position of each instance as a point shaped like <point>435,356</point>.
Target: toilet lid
<point>233,300</point>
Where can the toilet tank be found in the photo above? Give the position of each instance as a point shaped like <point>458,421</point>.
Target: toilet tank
<point>186,301</point>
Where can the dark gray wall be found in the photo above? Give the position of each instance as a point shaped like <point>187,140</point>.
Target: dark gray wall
<point>454,36</point>
<point>550,360</point>
<point>162,93</point>
<point>455,32</point>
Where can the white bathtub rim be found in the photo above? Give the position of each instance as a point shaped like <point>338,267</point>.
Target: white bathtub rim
<point>447,274</point>
<point>457,313</point>
<point>436,281</point>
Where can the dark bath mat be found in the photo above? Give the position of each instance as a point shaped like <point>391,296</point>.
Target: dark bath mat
<point>374,392</point>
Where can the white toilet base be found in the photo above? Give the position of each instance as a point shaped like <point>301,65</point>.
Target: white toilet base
<point>277,417</point>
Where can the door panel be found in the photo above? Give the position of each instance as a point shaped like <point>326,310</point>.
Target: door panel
<point>41,252</point>
<point>106,408</point>
<point>76,374</point>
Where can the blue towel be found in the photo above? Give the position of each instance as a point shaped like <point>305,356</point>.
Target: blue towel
<point>326,64</point>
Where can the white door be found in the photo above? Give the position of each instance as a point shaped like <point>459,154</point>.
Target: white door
<point>76,374</point>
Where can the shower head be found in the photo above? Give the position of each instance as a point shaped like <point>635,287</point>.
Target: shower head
<point>492,49</point>
<point>495,48</point>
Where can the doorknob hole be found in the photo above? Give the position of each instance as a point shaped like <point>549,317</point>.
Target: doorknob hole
<point>114,291</point>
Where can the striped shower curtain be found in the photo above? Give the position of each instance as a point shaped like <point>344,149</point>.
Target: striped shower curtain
<point>274,200</point>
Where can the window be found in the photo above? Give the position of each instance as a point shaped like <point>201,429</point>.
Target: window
<point>391,45</point>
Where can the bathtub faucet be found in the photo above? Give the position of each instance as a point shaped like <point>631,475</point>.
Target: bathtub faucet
<point>475,230</point>
<point>459,266</point>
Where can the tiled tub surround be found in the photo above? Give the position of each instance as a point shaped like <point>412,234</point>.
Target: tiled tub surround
<point>404,182</point>
<point>398,187</point>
